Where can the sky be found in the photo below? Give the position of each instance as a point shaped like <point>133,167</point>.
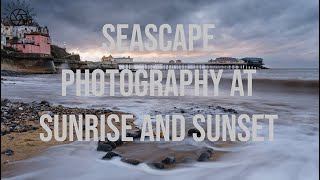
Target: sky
<point>284,33</point>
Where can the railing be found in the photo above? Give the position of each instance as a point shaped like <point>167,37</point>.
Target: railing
<point>166,66</point>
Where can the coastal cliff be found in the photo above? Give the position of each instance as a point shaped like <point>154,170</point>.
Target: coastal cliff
<point>26,63</point>
<point>46,64</point>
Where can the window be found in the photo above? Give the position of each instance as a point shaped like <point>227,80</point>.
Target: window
<point>24,46</point>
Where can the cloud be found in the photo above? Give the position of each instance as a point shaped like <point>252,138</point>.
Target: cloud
<point>283,30</point>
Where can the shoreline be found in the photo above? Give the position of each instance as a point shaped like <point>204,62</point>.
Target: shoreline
<point>20,139</point>
<point>20,128</point>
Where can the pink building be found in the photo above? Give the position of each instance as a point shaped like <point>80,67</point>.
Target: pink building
<point>34,42</point>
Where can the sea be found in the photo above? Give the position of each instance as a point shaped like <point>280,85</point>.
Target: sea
<point>292,94</point>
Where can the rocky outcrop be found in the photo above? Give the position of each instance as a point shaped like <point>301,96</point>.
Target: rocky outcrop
<point>61,53</point>
<point>26,63</point>
<point>58,52</point>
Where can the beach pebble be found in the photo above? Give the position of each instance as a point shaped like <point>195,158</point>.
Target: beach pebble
<point>169,160</point>
<point>107,111</point>
<point>110,155</point>
<point>34,127</point>
<point>232,110</point>
<point>50,113</point>
<point>8,152</point>
<point>4,102</point>
<point>5,113</point>
<point>4,129</point>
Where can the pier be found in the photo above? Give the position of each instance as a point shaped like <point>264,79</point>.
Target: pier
<point>126,63</point>
<point>166,66</point>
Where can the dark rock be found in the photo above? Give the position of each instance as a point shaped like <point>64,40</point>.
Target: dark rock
<point>219,107</point>
<point>8,152</point>
<point>34,127</point>
<point>13,126</point>
<point>204,156</point>
<point>116,108</point>
<point>182,111</point>
<point>110,155</point>
<point>119,142</point>
<point>130,161</point>
<point>4,102</point>
<point>104,147</point>
<point>157,165</point>
<point>46,103</point>
<point>209,150</point>
<point>194,130</point>
<point>169,160</point>
<point>134,133</point>
<point>112,144</point>
<point>107,111</point>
